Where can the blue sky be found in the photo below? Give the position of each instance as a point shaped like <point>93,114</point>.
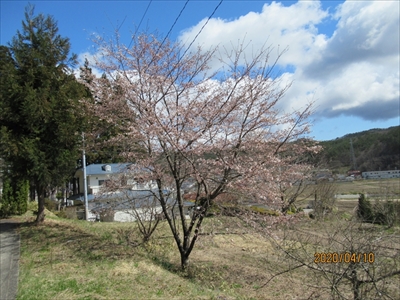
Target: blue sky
<point>344,55</point>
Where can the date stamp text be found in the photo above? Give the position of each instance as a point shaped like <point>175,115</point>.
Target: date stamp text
<point>345,257</point>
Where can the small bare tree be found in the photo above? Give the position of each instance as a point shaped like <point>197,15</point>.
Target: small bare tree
<point>345,259</point>
<point>130,199</point>
<point>324,198</point>
<point>216,131</point>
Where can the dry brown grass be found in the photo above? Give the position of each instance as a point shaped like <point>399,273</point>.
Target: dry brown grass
<point>70,259</point>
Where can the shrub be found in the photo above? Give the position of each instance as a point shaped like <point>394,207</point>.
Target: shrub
<point>364,210</point>
<point>61,214</point>
<point>50,204</point>
<point>32,205</point>
<point>70,212</point>
<point>264,211</point>
<point>14,198</point>
<point>107,215</point>
<point>386,213</point>
<point>383,212</point>
<point>21,196</point>
<point>292,209</point>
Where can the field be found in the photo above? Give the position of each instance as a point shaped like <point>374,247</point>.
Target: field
<point>347,192</point>
<point>70,259</point>
<point>371,187</point>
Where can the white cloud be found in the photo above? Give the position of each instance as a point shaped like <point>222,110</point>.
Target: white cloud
<point>358,71</point>
<point>353,72</point>
<point>277,25</point>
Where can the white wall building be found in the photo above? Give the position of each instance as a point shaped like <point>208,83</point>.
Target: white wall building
<point>381,174</point>
<point>98,174</point>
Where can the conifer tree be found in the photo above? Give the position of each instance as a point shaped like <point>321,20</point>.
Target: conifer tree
<point>6,200</point>
<point>39,113</point>
<point>364,210</point>
<point>14,198</point>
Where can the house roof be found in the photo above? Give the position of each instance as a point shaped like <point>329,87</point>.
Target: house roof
<point>81,197</point>
<point>128,199</point>
<point>99,169</point>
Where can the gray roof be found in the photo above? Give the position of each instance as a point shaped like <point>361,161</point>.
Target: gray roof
<point>98,169</point>
<point>127,199</point>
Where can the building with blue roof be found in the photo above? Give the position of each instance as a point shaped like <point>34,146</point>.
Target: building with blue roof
<point>98,174</point>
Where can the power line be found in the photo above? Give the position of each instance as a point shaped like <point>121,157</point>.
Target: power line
<point>165,38</point>
<point>140,23</point>
<point>194,39</point>
<point>204,25</point>
<point>145,12</point>
<point>173,25</point>
<point>176,20</point>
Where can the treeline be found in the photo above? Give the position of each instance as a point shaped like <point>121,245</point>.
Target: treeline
<point>41,118</point>
<point>375,149</point>
<point>383,212</point>
<point>43,124</point>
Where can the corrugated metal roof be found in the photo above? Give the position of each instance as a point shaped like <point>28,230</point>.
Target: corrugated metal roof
<point>127,199</point>
<point>98,169</point>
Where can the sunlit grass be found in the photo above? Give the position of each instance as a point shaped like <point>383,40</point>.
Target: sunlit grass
<point>72,259</point>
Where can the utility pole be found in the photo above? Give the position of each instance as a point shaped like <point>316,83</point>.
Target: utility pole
<point>352,156</point>
<point>85,180</point>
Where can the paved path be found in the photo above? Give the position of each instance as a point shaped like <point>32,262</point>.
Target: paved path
<point>9,259</point>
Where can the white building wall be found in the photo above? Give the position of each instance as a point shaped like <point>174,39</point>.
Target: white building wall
<point>381,174</point>
<point>129,215</point>
<point>92,182</point>
<point>93,185</point>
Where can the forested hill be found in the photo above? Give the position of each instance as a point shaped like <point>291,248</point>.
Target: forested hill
<point>375,149</point>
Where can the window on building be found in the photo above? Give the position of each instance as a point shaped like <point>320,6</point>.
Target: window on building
<point>103,182</point>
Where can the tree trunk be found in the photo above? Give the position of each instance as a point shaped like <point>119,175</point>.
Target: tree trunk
<point>356,291</point>
<point>184,261</point>
<point>32,191</point>
<point>40,213</point>
<point>356,284</point>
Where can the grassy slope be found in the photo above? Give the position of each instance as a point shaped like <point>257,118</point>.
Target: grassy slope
<point>67,259</point>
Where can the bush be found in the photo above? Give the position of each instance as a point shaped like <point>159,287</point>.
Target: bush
<point>264,211</point>
<point>32,205</point>
<point>61,214</point>
<point>292,210</point>
<point>383,212</point>
<point>386,213</point>
<point>107,215</point>
<point>14,198</point>
<point>50,204</point>
<point>70,212</point>
<point>364,210</point>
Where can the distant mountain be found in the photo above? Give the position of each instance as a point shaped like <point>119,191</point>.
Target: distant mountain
<point>374,149</point>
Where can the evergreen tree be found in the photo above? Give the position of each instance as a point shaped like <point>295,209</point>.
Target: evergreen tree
<point>365,212</point>
<point>39,110</point>
<point>7,203</point>
<point>21,193</point>
<point>14,199</point>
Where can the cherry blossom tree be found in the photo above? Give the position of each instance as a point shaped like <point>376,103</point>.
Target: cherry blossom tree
<point>207,130</point>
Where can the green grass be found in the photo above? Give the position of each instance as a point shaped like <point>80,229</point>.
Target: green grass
<point>71,259</point>
<point>380,187</point>
<point>64,259</point>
